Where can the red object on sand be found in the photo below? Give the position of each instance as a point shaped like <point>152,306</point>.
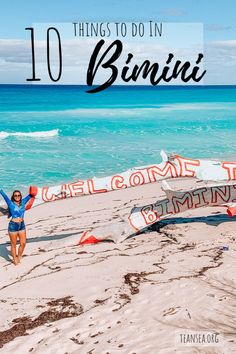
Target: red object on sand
<point>86,239</point>
<point>231,212</point>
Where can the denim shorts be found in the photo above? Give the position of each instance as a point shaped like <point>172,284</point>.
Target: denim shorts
<point>16,226</point>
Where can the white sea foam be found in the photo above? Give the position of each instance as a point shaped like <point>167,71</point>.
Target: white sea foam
<point>37,135</point>
<point>197,106</point>
<point>135,110</point>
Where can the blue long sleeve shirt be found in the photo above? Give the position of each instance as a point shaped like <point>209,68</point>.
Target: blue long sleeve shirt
<point>16,211</point>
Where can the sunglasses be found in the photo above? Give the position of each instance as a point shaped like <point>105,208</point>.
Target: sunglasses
<point>17,195</point>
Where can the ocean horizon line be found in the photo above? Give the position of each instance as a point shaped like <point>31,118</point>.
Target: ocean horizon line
<point>120,86</point>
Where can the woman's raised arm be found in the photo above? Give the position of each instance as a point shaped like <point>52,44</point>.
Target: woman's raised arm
<point>26,199</point>
<point>6,198</point>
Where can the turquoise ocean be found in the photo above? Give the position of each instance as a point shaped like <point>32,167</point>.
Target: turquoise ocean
<point>56,134</point>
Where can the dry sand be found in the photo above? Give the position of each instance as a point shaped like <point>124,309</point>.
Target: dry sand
<point>140,296</point>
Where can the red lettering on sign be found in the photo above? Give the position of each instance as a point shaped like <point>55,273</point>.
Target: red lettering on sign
<point>117,182</point>
<point>219,194</point>
<point>184,165</point>
<point>186,198</point>
<point>199,193</point>
<point>149,215</point>
<point>53,196</point>
<point>163,206</point>
<point>75,188</point>
<point>136,179</point>
<point>169,168</point>
<point>230,167</point>
<point>92,189</point>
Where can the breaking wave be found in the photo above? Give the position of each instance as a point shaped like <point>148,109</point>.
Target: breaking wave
<point>37,135</point>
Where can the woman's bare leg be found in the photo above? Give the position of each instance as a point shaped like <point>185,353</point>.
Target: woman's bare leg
<point>13,238</point>
<point>22,236</point>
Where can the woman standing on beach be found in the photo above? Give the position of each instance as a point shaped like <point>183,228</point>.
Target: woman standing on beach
<point>16,227</point>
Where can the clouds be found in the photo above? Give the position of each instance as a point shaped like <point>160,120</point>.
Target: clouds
<point>172,12</point>
<point>76,53</point>
<point>15,58</point>
<point>15,51</point>
<point>214,27</point>
<point>221,53</point>
<point>220,62</point>
<point>225,45</point>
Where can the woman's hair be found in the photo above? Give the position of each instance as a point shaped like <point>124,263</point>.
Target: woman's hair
<point>12,197</point>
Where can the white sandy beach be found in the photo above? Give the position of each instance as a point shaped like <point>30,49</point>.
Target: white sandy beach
<point>138,296</point>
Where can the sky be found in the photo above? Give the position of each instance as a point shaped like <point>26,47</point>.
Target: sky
<point>217,17</point>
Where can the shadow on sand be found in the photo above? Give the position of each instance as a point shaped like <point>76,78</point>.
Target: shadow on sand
<point>213,220</point>
<point>4,252</point>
